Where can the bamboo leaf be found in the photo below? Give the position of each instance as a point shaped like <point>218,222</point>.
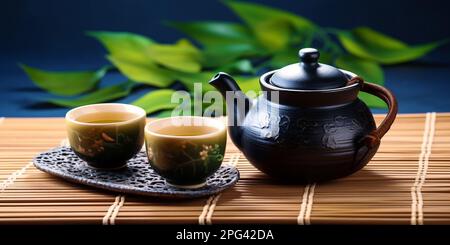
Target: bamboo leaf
<point>369,44</point>
<point>290,56</point>
<point>99,96</point>
<point>239,66</point>
<point>272,27</point>
<point>189,79</point>
<point>215,33</point>
<point>65,83</point>
<point>165,113</point>
<point>369,71</point>
<point>181,56</point>
<point>124,44</point>
<point>372,101</point>
<point>220,55</point>
<point>156,100</point>
<point>283,58</point>
<point>248,84</point>
<point>144,72</point>
<point>223,42</point>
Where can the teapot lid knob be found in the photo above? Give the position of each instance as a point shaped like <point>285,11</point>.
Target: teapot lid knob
<point>309,56</point>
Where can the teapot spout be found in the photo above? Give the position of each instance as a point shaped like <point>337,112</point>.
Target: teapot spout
<point>238,104</point>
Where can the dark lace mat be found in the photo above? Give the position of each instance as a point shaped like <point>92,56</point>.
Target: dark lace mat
<point>137,178</point>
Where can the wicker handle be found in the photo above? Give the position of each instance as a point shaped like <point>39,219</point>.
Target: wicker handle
<point>381,92</point>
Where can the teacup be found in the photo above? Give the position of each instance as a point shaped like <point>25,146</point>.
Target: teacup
<point>185,150</point>
<point>106,135</point>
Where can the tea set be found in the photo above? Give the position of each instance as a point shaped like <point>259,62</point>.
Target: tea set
<point>314,129</point>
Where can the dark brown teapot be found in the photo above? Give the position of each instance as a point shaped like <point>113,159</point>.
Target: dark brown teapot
<point>316,130</point>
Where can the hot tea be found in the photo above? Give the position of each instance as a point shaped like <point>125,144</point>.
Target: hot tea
<point>105,117</point>
<point>186,130</point>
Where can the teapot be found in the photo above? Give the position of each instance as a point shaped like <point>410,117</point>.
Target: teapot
<point>316,130</point>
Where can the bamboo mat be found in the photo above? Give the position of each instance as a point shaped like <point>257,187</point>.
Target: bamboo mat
<point>407,182</point>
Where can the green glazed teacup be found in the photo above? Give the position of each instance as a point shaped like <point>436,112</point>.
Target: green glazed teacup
<point>185,150</point>
<point>106,135</point>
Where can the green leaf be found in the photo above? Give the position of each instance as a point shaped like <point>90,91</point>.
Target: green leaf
<point>145,72</point>
<point>99,96</point>
<point>65,83</point>
<point>272,27</point>
<point>215,33</point>
<point>325,57</point>
<point>290,56</point>
<point>165,113</point>
<point>149,72</point>
<point>239,66</point>
<point>371,100</point>
<point>283,58</point>
<point>156,100</point>
<point>249,84</point>
<point>369,71</point>
<point>370,44</point>
<point>185,110</point>
<point>219,55</point>
<point>182,56</point>
<point>123,44</point>
<point>189,79</point>
<point>223,42</point>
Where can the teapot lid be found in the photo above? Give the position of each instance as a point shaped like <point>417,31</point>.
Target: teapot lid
<point>309,74</point>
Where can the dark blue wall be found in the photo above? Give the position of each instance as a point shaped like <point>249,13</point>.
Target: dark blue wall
<point>49,34</point>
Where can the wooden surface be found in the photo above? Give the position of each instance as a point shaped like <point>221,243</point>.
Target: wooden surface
<point>407,182</point>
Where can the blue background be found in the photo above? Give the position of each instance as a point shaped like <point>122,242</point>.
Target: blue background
<point>49,34</point>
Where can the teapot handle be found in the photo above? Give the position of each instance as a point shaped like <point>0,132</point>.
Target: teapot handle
<point>383,93</point>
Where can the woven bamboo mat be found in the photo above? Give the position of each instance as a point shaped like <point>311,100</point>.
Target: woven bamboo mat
<point>407,182</point>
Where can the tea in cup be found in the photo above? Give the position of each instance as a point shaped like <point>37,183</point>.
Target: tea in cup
<point>106,135</point>
<point>185,150</point>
